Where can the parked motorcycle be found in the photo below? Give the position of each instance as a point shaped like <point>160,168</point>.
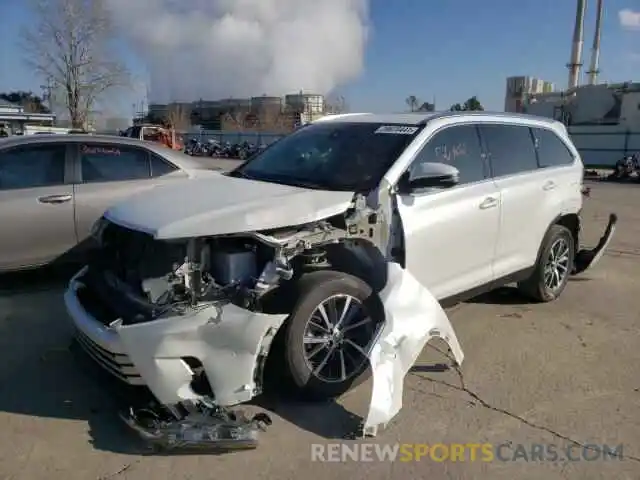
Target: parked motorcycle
<point>194,147</point>
<point>626,167</point>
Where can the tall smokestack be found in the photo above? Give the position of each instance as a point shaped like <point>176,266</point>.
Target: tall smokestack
<point>595,50</point>
<point>576,51</point>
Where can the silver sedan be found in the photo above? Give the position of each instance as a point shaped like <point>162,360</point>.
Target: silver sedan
<point>54,187</point>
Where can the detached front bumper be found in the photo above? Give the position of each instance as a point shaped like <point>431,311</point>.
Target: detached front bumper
<point>587,258</point>
<point>227,342</point>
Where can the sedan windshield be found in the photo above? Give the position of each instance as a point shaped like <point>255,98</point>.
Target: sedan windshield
<point>331,156</point>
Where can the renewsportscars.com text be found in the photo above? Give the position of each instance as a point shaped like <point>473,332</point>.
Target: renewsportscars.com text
<point>463,452</point>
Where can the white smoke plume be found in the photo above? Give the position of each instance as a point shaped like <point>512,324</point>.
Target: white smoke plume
<point>214,49</point>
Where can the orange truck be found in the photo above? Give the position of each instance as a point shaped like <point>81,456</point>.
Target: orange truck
<point>155,133</point>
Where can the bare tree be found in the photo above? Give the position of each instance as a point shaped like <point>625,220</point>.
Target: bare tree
<point>178,117</point>
<point>70,43</point>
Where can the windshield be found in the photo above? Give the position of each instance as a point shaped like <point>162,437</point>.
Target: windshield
<point>331,156</point>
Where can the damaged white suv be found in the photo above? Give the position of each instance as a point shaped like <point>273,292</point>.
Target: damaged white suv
<point>341,241</point>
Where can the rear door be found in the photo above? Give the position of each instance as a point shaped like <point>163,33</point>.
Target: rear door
<point>526,212</point>
<point>564,171</point>
<point>108,173</point>
<point>36,204</point>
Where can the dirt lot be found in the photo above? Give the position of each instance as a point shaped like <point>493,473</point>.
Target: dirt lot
<point>557,374</point>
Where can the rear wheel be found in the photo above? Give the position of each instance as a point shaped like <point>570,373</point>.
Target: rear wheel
<point>329,332</point>
<point>554,266</point>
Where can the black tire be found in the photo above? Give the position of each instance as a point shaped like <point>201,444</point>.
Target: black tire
<point>535,287</point>
<point>312,290</point>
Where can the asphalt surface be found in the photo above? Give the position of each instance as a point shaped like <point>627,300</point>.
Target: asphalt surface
<point>551,375</point>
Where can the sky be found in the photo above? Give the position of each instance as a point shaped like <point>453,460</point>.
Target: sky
<point>447,50</point>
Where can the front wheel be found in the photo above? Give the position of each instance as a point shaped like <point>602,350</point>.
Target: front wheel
<point>553,268</point>
<point>329,333</point>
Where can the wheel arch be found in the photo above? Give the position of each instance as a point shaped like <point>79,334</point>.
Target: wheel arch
<point>570,221</point>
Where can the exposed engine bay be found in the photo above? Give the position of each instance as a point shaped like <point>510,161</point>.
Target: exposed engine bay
<point>169,277</point>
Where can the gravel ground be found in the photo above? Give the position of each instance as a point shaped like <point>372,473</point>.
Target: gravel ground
<point>556,374</point>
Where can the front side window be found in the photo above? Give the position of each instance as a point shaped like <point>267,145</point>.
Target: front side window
<point>552,152</point>
<point>458,146</point>
<point>32,166</point>
<point>511,149</point>
<point>112,163</point>
<point>331,156</point>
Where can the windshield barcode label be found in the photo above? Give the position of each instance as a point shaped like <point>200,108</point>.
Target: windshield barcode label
<point>397,130</point>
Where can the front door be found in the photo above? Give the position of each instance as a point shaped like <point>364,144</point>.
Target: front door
<point>451,234</point>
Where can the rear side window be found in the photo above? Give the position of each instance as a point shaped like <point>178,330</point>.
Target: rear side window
<point>32,166</point>
<point>511,149</point>
<point>113,163</point>
<point>160,167</point>
<point>552,152</point>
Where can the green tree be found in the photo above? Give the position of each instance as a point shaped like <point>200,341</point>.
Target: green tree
<point>417,105</point>
<point>472,104</point>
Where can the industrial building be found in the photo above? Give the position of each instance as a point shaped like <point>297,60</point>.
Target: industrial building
<point>584,103</point>
<point>246,112</point>
<point>520,88</point>
<point>603,119</point>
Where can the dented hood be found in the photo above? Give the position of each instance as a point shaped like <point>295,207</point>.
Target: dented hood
<point>218,205</point>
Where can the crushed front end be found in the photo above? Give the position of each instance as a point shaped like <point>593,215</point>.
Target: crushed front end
<point>148,314</point>
<point>194,319</point>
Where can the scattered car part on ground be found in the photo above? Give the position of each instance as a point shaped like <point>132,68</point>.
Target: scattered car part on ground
<point>203,427</point>
<point>329,251</point>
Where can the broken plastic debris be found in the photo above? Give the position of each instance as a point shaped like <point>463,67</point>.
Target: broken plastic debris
<point>413,317</point>
<point>210,429</point>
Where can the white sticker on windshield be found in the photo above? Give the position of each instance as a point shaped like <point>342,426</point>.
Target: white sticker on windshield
<point>397,130</point>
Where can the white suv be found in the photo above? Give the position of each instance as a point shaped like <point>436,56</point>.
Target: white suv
<point>331,250</point>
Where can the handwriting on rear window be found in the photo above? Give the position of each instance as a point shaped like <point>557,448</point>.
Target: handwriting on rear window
<point>91,150</point>
<point>449,153</point>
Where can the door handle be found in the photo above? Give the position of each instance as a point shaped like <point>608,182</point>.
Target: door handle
<point>550,185</point>
<point>56,199</point>
<point>489,202</point>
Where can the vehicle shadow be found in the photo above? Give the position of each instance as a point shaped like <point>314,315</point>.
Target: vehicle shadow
<point>501,296</point>
<point>39,374</point>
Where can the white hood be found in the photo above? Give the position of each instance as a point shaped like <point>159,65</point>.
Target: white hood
<point>219,205</point>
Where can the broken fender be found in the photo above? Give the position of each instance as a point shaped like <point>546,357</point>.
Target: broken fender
<point>413,317</point>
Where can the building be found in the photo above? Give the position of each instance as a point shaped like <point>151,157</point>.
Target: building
<point>255,112</point>
<point>603,119</point>
<point>14,118</point>
<point>520,88</point>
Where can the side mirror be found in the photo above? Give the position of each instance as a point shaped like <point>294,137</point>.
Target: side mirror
<point>429,175</point>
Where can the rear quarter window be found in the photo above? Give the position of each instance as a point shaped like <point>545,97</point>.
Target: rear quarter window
<point>552,151</point>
